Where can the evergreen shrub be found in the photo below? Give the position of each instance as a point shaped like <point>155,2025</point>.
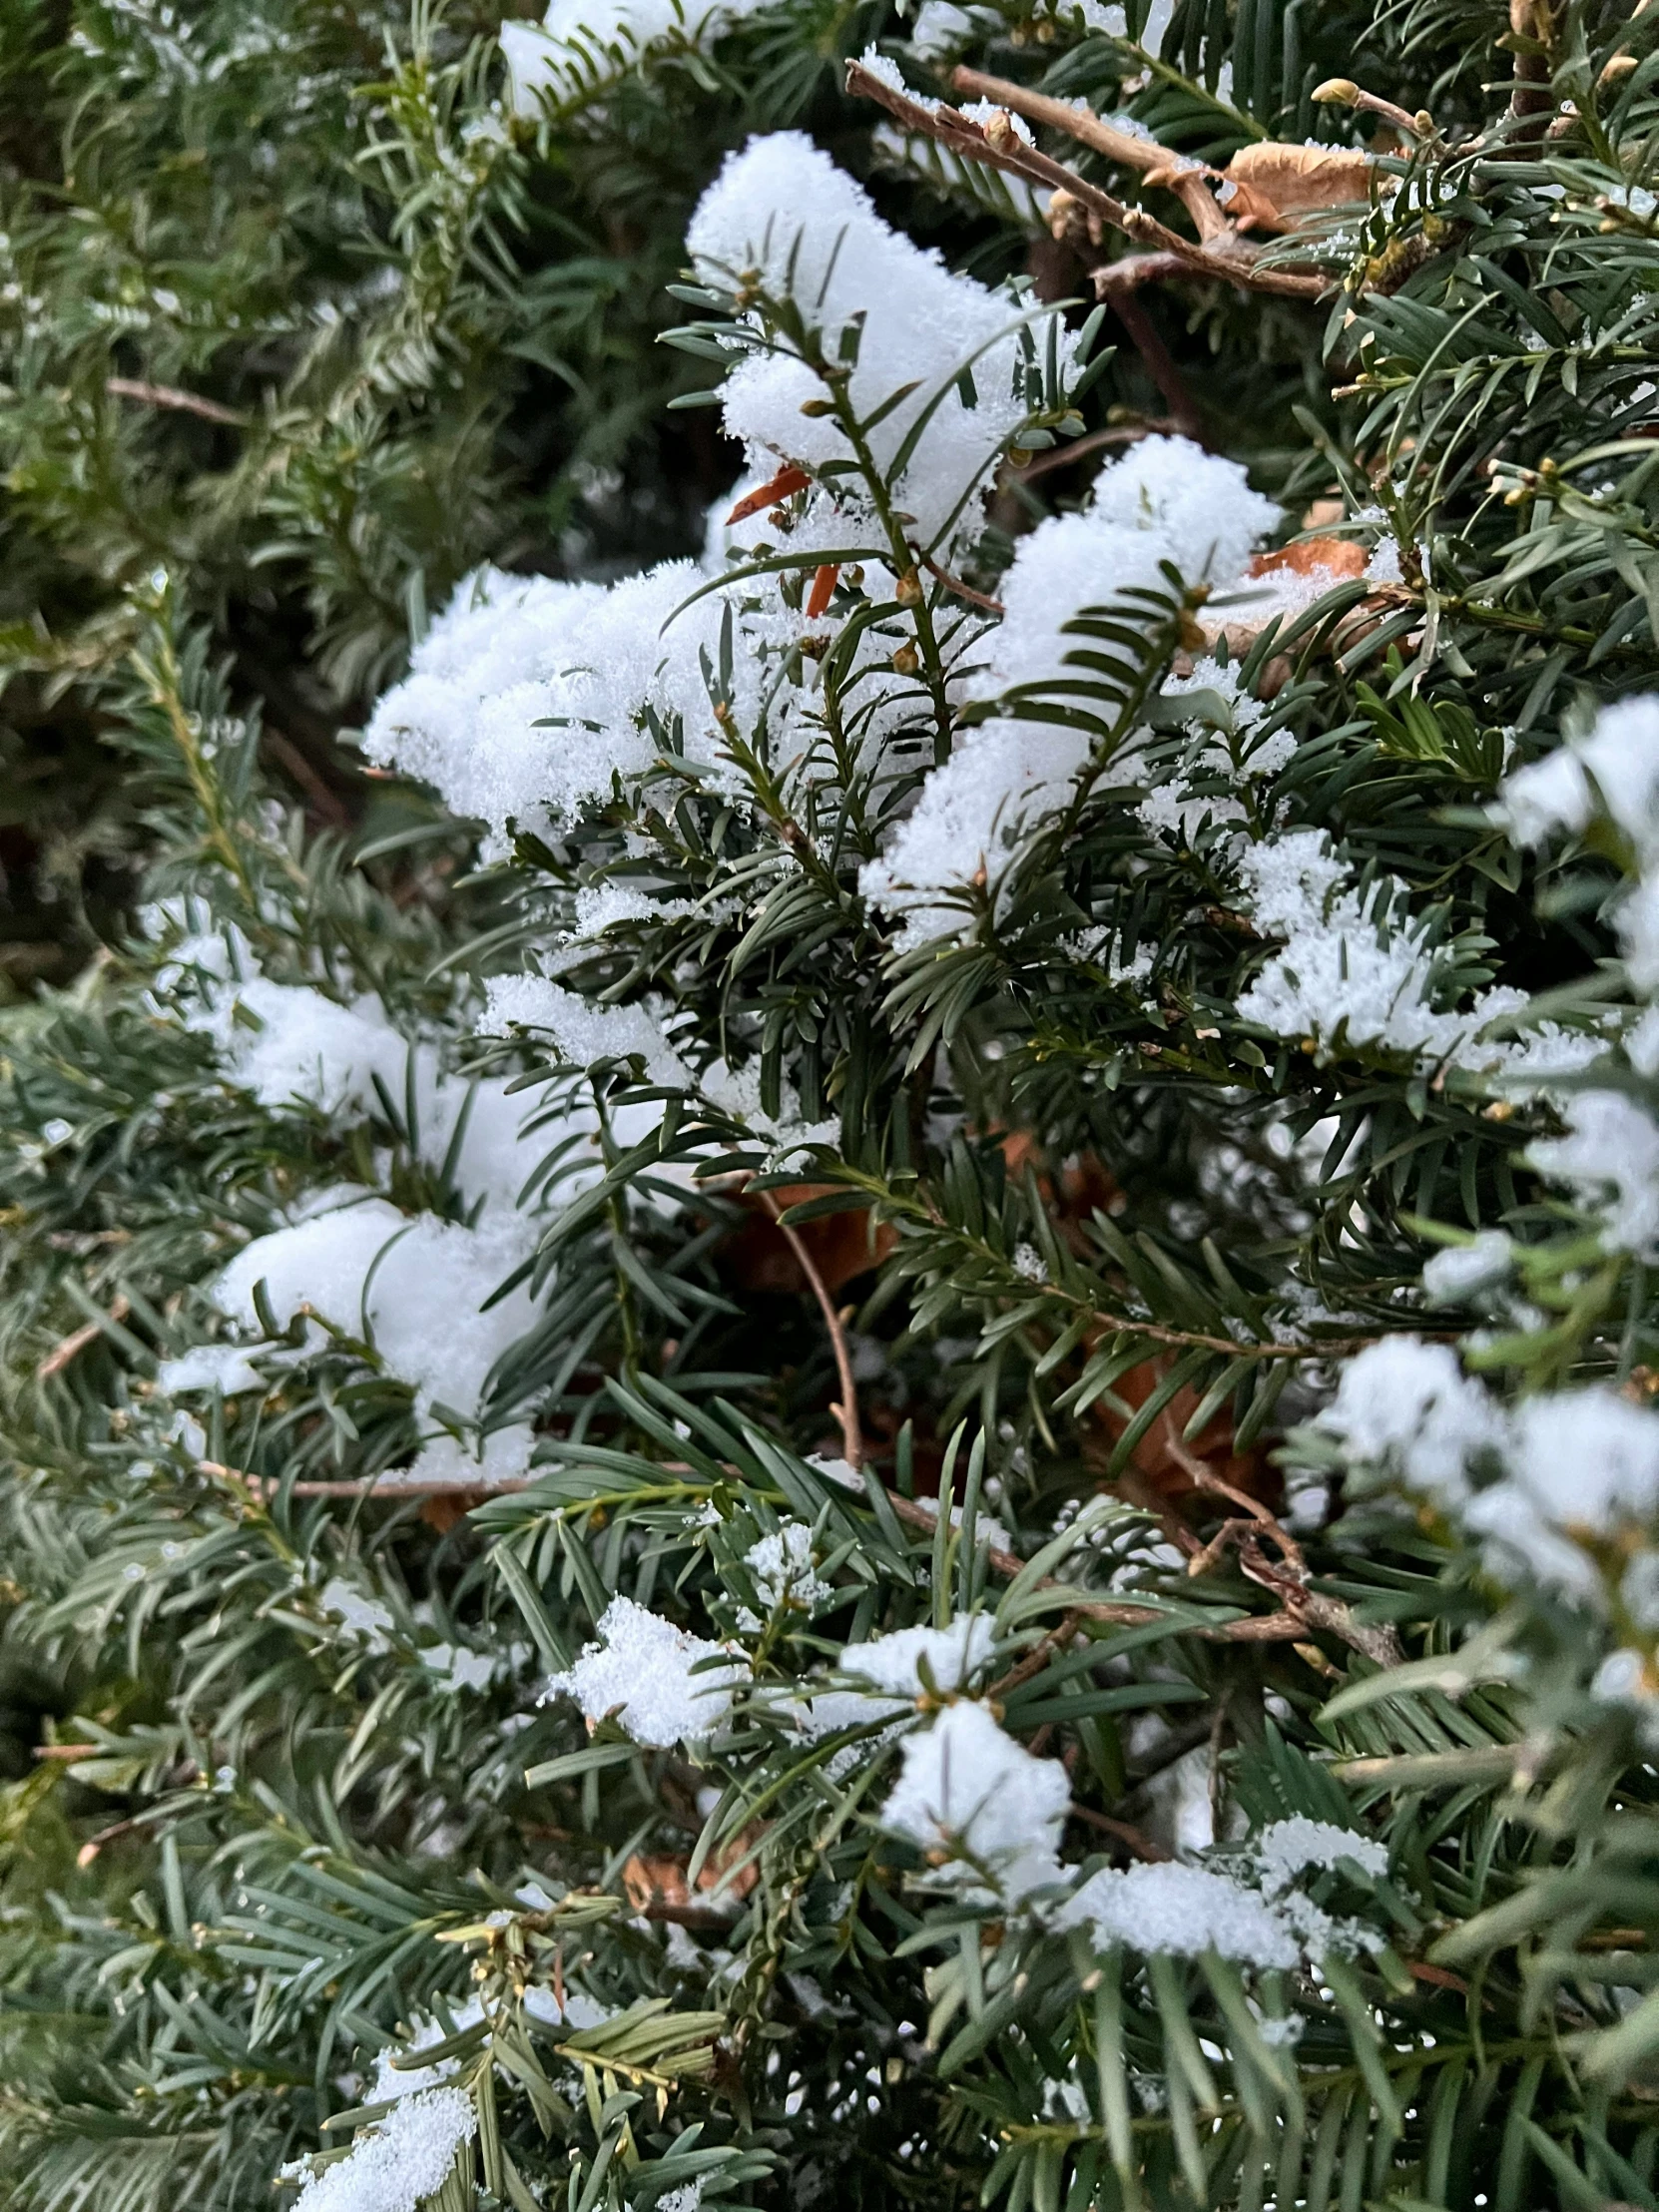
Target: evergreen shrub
<point>859,1412</point>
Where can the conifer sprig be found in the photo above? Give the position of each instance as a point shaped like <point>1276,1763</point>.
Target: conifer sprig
<point>879,1430</point>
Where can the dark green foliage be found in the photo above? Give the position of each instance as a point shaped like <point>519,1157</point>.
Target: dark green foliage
<point>252,1824</point>
<point>289,312</point>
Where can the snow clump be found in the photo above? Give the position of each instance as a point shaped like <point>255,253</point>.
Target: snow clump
<point>1545,1483</point>
<point>580,44</point>
<point>642,1671</point>
<point>782,218</point>
<point>405,2157</point>
<point>971,1795</point>
<point>1166,502</point>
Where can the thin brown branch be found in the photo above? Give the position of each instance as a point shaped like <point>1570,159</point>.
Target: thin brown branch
<point>1160,362</point>
<point>395,1483</point>
<point>1116,1613</point>
<point>1288,1583</point>
<point>327,804</point>
<point>1200,1560</point>
<point>182,402</point>
<point>77,1342</point>
<point>707,1920</point>
<point>1011,155</point>
<point>1125,1832</point>
<point>1133,270</point>
<point>1057,1639</point>
<point>963,591</point>
<point>1345,92</point>
<point>1061,456</point>
<point>1288,1626</point>
<point>1187,180</point>
<point>847,1412</point>
<point>1531,40</point>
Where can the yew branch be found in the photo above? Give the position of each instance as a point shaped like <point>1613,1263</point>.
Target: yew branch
<point>1187,182</point>
<point>1227,262</point>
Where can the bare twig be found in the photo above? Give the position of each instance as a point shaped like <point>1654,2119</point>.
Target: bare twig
<point>1133,270</point>
<point>1345,92</point>
<point>1125,1832</point>
<point>395,1483</point>
<point>1059,1639</point>
<point>1061,456</point>
<point>1288,1582</point>
<point>847,1412</point>
<point>182,402</point>
<point>1010,154</point>
<point>1531,29</point>
<point>963,591</point>
<point>77,1342</point>
<point>328,804</point>
<point>1303,1610</point>
<point>1187,180</point>
<point>1160,361</point>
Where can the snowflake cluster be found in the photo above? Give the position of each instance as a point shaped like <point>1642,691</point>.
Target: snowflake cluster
<point>1551,1484</point>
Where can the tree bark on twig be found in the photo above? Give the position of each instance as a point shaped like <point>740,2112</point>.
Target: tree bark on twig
<point>1228,261</point>
<point>180,403</point>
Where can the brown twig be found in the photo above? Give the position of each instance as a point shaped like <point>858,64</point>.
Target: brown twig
<point>1303,1610</point>
<point>1187,180</point>
<point>168,395</point>
<point>1058,1638</point>
<point>963,591</point>
<point>1288,1583</point>
<point>1125,1832</point>
<point>1282,1627</point>
<point>1343,92</point>
<point>1531,29</point>
<point>395,1483</point>
<point>1061,456</point>
<point>77,1342</point>
<point>328,804</point>
<point>1010,154</point>
<point>1160,361</point>
<point>1132,271</point>
<point>847,1412</point>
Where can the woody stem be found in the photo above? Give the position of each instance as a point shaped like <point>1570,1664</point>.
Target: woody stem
<point>847,1412</point>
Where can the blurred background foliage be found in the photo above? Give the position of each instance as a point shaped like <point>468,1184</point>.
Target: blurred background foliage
<point>292,309</point>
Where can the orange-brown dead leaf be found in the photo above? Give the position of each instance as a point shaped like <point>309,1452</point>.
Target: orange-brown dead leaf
<point>659,1888</point>
<point>757,1257</point>
<point>1338,558</point>
<point>1326,562</point>
<point>1436,1976</point>
<point>451,1508</point>
<point>1276,182</point>
<point>1079,1189</point>
<point>787,481</point>
<point>1158,1456</point>
<point>824,585</point>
